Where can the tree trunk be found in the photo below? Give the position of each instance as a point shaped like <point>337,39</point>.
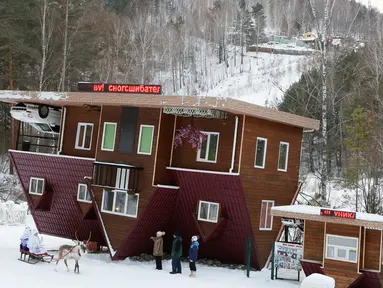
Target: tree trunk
<point>65,48</point>
<point>43,44</point>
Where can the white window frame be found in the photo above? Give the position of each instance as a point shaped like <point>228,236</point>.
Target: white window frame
<point>86,192</point>
<point>103,136</point>
<point>114,204</point>
<point>208,210</point>
<point>264,153</point>
<point>30,186</point>
<point>122,172</point>
<point>287,156</point>
<point>271,219</point>
<point>336,247</point>
<point>199,159</point>
<point>79,125</point>
<point>139,140</point>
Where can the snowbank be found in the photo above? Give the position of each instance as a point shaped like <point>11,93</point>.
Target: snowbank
<point>318,281</point>
<point>13,214</point>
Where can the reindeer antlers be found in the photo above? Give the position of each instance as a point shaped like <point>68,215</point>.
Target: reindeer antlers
<point>87,241</point>
<point>90,235</point>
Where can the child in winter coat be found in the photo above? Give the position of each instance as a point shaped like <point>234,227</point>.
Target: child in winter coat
<point>193,255</point>
<point>158,249</point>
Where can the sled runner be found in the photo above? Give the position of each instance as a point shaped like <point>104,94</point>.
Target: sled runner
<point>31,258</point>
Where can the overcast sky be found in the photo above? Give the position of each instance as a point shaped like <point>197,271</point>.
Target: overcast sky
<point>377,3</point>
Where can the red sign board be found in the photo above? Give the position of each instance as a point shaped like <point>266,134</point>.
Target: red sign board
<point>119,88</point>
<point>339,214</point>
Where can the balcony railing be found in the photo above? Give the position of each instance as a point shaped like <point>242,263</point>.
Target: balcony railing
<point>116,176</point>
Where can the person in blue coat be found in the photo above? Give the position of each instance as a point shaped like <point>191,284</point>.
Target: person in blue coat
<point>193,255</point>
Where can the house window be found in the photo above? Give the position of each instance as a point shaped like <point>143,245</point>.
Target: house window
<point>283,157</point>
<point>260,153</point>
<point>342,248</point>
<point>266,221</point>
<point>36,186</point>
<point>122,178</point>
<point>84,136</point>
<point>208,211</point>
<point>145,141</point>
<point>83,193</point>
<point>209,148</point>
<point>109,136</point>
<point>120,203</point>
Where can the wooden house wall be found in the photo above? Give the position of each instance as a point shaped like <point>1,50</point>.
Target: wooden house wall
<point>313,241</point>
<point>344,273</point>
<point>185,156</point>
<point>74,115</point>
<point>117,226</point>
<point>268,183</point>
<point>372,249</point>
<point>163,175</point>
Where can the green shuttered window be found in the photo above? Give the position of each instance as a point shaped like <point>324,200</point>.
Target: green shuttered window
<point>145,141</point>
<point>109,136</point>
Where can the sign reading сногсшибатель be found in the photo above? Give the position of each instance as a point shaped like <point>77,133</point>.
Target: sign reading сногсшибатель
<point>119,88</point>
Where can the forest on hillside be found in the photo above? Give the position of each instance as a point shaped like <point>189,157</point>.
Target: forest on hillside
<point>50,45</point>
<point>53,44</point>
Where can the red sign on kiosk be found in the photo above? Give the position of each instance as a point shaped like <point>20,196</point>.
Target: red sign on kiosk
<point>119,88</point>
<point>339,214</point>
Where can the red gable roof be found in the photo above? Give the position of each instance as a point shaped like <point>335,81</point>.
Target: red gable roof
<point>155,218</point>
<point>227,242</point>
<point>62,174</point>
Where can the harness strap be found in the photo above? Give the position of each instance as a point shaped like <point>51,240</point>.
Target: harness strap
<point>70,251</point>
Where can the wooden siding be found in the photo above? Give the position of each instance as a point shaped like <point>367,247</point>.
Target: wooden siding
<point>118,226</point>
<point>372,250</point>
<point>314,241</point>
<point>162,175</point>
<point>268,184</point>
<point>185,156</point>
<point>344,273</point>
<point>74,115</point>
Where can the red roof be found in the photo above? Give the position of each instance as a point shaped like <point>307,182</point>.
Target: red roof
<point>60,215</point>
<point>367,280</point>
<point>155,218</point>
<point>227,242</point>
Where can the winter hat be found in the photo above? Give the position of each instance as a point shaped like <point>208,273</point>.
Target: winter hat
<point>194,238</point>
<point>177,234</point>
<point>159,234</point>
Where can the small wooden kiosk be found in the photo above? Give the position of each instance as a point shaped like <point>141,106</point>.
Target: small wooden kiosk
<point>344,245</point>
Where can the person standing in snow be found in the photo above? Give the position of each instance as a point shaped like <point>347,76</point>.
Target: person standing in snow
<point>158,249</point>
<point>176,254</point>
<point>25,238</point>
<point>193,255</point>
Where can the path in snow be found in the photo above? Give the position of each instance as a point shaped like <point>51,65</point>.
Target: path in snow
<point>99,271</point>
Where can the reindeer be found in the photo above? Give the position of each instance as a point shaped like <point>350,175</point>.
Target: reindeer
<point>73,252</point>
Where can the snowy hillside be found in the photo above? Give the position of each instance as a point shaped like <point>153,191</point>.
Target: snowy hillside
<point>264,79</point>
<point>98,271</point>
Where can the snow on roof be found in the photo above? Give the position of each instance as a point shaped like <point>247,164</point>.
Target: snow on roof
<point>158,101</point>
<point>315,211</point>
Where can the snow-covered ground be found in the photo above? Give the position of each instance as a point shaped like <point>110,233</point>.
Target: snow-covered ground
<point>264,77</point>
<point>99,271</point>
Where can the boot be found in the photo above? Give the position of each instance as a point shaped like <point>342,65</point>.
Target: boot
<point>192,274</point>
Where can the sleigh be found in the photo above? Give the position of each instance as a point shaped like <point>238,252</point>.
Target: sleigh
<point>31,258</point>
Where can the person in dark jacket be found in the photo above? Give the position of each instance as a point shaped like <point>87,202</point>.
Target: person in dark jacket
<point>193,255</point>
<point>176,254</point>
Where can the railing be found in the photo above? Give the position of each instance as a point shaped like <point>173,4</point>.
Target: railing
<point>116,176</point>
